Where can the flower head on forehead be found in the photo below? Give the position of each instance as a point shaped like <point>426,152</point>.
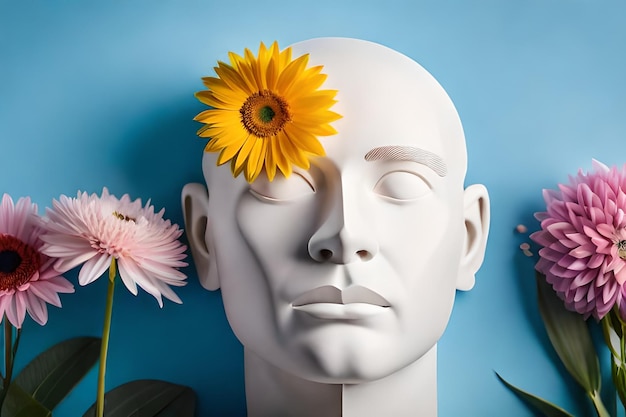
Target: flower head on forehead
<point>267,112</point>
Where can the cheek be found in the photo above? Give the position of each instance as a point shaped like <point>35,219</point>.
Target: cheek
<point>276,232</point>
<point>424,251</point>
<point>246,237</point>
<point>270,248</point>
<point>423,238</point>
<point>246,297</point>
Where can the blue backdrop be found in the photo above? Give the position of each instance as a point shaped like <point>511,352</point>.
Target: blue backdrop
<point>97,94</point>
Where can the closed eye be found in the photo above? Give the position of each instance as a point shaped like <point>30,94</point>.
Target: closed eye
<point>402,186</point>
<point>281,188</point>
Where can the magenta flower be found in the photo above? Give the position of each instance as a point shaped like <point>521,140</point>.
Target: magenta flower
<point>92,230</point>
<point>27,278</point>
<point>583,239</point>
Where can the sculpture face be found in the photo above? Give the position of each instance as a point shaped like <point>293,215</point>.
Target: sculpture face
<point>347,272</point>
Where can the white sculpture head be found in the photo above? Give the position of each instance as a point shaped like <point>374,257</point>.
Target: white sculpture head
<point>347,272</point>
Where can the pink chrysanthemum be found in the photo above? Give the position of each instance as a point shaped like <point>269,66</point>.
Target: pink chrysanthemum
<point>93,230</point>
<point>28,279</point>
<point>584,241</point>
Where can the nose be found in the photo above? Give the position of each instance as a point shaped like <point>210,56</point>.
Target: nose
<point>343,236</point>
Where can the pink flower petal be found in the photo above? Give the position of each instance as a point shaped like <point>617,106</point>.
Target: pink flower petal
<point>49,290</point>
<point>127,276</point>
<point>138,275</point>
<point>595,261</point>
<point>5,303</point>
<point>65,264</point>
<point>606,230</point>
<point>94,269</point>
<point>608,293</point>
<point>16,311</point>
<point>583,279</point>
<point>572,263</point>
<point>579,238</point>
<point>581,252</point>
<point>620,276</point>
<point>36,308</point>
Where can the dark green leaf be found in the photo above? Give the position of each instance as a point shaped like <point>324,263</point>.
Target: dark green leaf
<point>544,407</point>
<point>55,372</point>
<point>570,337</point>
<point>19,403</point>
<point>148,398</point>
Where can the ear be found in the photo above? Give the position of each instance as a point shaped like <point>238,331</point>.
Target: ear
<point>195,201</point>
<point>476,209</point>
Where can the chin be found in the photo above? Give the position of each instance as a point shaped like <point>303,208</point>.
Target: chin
<point>346,370</point>
<point>346,359</point>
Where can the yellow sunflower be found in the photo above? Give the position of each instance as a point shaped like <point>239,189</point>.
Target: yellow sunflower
<point>267,112</point>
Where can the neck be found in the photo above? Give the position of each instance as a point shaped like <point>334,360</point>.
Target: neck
<point>411,391</point>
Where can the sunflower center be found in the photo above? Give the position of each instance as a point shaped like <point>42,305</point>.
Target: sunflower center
<point>264,114</point>
<point>621,249</point>
<point>18,262</point>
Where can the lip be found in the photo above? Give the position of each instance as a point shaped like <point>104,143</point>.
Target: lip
<point>332,311</point>
<point>331,303</point>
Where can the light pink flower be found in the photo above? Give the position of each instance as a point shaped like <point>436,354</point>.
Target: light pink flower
<point>28,279</point>
<point>584,241</point>
<point>92,230</point>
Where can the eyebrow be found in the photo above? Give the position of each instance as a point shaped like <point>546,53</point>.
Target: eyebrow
<point>408,153</point>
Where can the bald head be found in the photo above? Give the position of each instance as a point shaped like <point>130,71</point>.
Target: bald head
<point>389,103</point>
<point>383,93</point>
<point>300,259</point>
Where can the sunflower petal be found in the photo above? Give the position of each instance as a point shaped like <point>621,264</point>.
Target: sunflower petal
<point>292,153</point>
<point>244,152</point>
<point>255,163</point>
<point>291,73</point>
<point>273,67</point>
<point>281,158</point>
<point>244,70</point>
<point>304,140</point>
<point>231,77</point>
<point>270,163</point>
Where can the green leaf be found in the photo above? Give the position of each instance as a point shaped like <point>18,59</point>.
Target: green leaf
<point>570,337</point>
<point>615,323</point>
<point>544,407</point>
<point>19,403</point>
<point>148,398</point>
<point>619,379</point>
<point>54,373</point>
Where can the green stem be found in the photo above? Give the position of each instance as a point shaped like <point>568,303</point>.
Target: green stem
<point>599,405</point>
<point>606,331</point>
<point>106,330</point>
<point>13,353</point>
<point>622,345</point>
<point>16,343</point>
<point>8,352</point>
<point>612,323</point>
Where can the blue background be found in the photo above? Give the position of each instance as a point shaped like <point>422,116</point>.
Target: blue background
<point>97,94</point>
